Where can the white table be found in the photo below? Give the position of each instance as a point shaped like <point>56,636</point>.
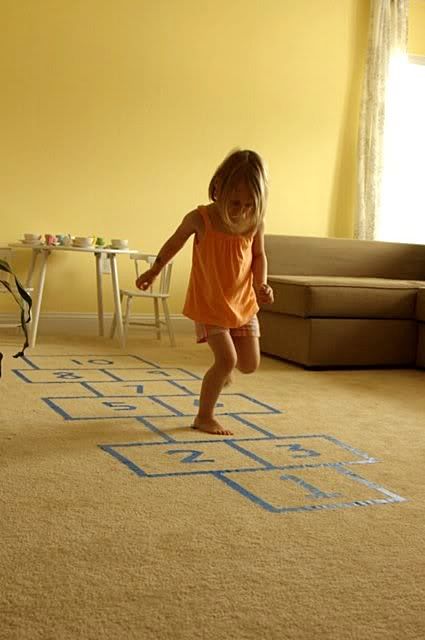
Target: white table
<point>44,251</point>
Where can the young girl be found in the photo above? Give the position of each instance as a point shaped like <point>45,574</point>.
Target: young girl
<point>229,274</point>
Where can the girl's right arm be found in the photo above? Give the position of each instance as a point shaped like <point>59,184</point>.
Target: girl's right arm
<point>189,225</point>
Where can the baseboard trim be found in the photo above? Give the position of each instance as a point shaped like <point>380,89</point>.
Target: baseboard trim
<point>57,323</point>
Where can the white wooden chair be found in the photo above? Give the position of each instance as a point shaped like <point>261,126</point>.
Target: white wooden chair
<point>159,291</point>
<point>6,254</point>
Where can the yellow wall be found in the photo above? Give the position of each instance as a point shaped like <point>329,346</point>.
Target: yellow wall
<point>114,115</point>
<point>416,41</point>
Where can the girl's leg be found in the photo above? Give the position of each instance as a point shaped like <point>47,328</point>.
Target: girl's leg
<point>248,353</point>
<point>225,358</point>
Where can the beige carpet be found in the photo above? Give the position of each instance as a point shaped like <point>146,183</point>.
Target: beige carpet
<point>119,521</point>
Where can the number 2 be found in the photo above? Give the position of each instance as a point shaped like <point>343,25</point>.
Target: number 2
<point>193,456</point>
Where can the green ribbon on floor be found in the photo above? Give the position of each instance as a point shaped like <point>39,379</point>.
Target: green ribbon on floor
<point>23,299</point>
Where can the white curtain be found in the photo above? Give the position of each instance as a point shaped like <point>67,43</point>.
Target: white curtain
<point>387,38</point>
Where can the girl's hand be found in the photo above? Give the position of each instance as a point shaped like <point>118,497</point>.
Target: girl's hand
<point>146,280</point>
<point>264,294</point>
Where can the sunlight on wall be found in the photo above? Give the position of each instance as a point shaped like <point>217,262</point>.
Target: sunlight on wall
<point>402,215</point>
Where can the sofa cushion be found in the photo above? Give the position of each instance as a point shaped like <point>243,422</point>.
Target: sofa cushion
<point>301,255</point>
<point>343,297</point>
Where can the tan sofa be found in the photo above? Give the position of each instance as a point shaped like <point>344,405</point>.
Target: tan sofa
<point>342,302</point>
<point>420,316</point>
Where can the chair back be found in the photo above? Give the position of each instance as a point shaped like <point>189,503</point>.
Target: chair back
<point>163,285</point>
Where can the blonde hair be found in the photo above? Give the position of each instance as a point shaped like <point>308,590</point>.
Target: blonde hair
<point>241,166</point>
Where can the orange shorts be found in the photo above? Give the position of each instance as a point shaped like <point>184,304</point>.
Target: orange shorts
<point>203,331</point>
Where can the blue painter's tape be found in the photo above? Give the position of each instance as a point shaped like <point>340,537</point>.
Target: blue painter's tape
<point>88,386</point>
<point>353,450</point>
<point>21,375</point>
<point>58,410</point>
<point>111,375</point>
<point>72,356</point>
<point>149,425</point>
<point>29,362</point>
<point>309,487</point>
<point>182,387</point>
<point>166,405</point>
<point>115,454</point>
<point>269,408</point>
<point>251,424</point>
<point>250,454</point>
<point>189,373</point>
<point>314,492</point>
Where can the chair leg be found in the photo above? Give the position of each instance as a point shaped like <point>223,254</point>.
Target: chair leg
<point>113,325</point>
<point>114,320</point>
<point>127,317</point>
<point>157,320</point>
<point>168,322</point>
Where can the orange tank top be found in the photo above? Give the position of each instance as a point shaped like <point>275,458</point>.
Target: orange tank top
<point>220,290</point>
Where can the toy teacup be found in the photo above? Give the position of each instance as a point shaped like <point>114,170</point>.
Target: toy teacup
<point>31,238</point>
<point>50,239</point>
<point>117,243</point>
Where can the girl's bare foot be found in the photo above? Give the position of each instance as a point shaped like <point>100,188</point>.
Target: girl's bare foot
<point>209,425</point>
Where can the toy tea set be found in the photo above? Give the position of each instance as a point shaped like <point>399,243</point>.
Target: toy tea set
<point>66,240</point>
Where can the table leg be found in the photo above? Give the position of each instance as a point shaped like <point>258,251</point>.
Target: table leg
<point>98,257</point>
<point>38,298</point>
<point>117,301</point>
<point>34,256</point>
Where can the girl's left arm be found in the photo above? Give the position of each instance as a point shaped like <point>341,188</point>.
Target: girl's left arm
<point>263,291</point>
